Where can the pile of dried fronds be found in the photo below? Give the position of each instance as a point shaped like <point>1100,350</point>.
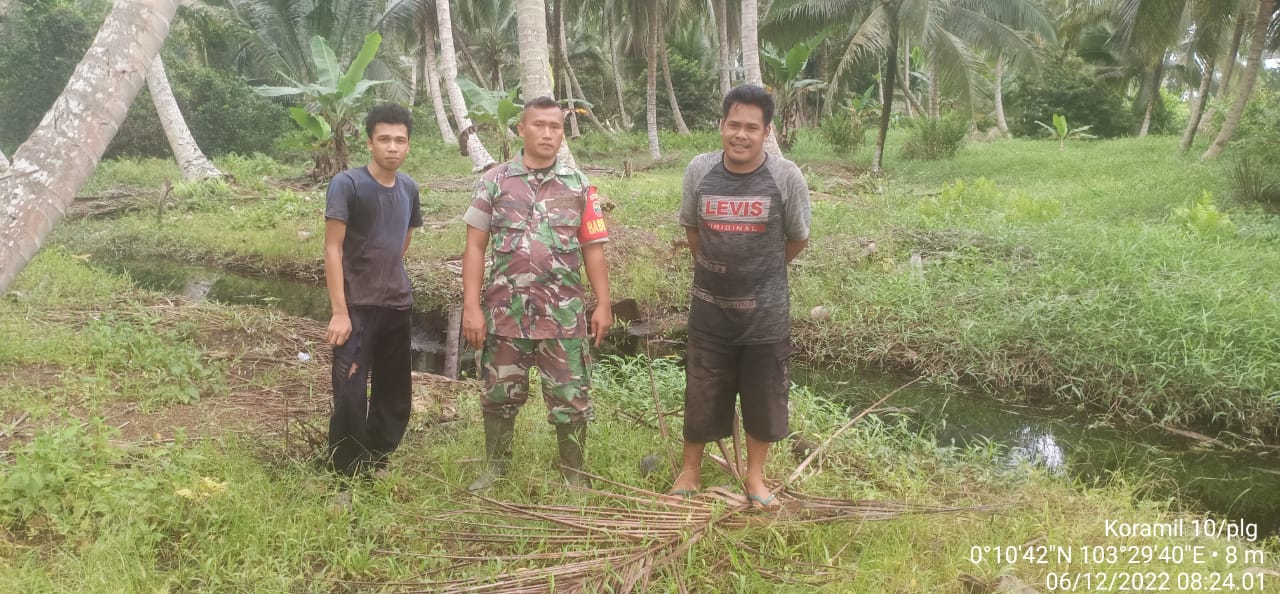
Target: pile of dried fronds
<point>626,537</point>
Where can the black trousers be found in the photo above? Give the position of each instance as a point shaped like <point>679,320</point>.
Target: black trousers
<point>372,389</point>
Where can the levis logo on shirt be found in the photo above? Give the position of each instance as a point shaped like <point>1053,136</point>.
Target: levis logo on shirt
<point>736,214</point>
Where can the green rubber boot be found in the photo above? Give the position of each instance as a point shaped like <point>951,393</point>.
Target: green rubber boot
<point>572,439</point>
<point>499,432</point>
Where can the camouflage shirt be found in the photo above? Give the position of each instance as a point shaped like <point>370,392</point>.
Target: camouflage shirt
<point>535,222</point>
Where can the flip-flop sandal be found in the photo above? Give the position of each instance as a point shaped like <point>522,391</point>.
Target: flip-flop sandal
<point>763,502</point>
<point>683,493</point>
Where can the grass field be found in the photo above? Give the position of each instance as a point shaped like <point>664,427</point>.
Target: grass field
<point>156,445</point>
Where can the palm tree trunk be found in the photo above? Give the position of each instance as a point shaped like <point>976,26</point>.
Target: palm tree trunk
<point>577,91</point>
<point>432,78</point>
<point>1197,107</point>
<point>722,46</point>
<point>618,85</point>
<point>935,91</point>
<point>413,79</point>
<point>1261,22</point>
<point>1153,95</point>
<point>912,104</point>
<point>998,98</point>
<point>467,60</point>
<point>905,82</point>
<point>55,161</point>
<point>480,158</point>
<point>1224,86</point>
<point>1233,54</point>
<point>559,43</point>
<point>891,70</point>
<point>191,160</point>
<point>751,44</point>
<point>751,62</point>
<point>535,67</point>
<point>651,89</point>
<point>666,75</point>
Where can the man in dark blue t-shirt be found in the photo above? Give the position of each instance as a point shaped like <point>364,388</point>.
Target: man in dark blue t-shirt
<point>370,213</point>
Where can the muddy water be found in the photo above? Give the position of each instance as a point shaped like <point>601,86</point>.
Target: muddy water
<point>1232,485</point>
<point>1235,485</point>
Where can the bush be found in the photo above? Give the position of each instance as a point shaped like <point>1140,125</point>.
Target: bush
<point>1203,217</point>
<point>40,45</point>
<point>1251,182</point>
<point>1069,87</point>
<point>843,132</point>
<point>934,139</point>
<point>1255,144</point>
<point>224,114</point>
<point>697,89</point>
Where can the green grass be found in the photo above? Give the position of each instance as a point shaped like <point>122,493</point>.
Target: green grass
<point>1065,273</point>
<point>84,508</point>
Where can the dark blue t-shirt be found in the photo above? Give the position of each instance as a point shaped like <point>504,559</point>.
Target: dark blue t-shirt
<point>378,220</point>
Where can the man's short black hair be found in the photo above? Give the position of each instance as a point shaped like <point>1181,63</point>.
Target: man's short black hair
<point>750,95</point>
<point>388,113</point>
<point>543,102</point>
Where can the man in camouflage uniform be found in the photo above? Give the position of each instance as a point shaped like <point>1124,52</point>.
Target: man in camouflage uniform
<point>542,222</point>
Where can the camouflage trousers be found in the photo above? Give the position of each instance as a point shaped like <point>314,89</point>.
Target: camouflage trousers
<point>565,370</point>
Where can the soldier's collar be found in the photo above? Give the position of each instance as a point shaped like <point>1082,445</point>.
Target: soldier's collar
<point>516,167</point>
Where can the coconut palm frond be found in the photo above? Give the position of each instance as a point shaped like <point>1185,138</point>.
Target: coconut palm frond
<point>627,536</point>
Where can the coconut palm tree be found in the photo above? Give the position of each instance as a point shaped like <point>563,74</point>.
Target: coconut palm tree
<point>1263,20</point>
<point>751,61</point>
<point>951,34</point>
<point>1212,22</point>
<point>535,65</point>
<point>55,161</point>
<point>664,13</point>
<point>280,32</point>
<point>191,160</point>
<point>415,20</point>
<point>480,158</point>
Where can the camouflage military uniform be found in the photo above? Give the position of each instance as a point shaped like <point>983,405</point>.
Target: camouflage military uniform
<point>534,305</point>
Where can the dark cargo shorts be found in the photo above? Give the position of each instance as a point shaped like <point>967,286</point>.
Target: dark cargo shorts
<point>717,373</point>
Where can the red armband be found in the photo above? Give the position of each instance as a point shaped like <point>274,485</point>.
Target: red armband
<point>592,228</point>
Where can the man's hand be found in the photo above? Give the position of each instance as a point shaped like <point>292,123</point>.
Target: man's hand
<point>473,327</point>
<point>339,329</point>
<point>601,321</point>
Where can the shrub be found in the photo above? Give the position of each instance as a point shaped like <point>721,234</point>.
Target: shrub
<point>40,45</point>
<point>1069,87</point>
<point>1203,217</point>
<point>934,139</point>
<point>1251,182</point>
<point>843,132</point>
<point>224,114</point>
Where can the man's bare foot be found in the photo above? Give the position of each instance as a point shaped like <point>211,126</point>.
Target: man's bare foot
<point>758,493</point>
<point>686,485</point>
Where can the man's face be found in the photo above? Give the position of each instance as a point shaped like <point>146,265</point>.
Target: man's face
<point>742,132</point>
<point>542,130</point>
<point>389,145</point>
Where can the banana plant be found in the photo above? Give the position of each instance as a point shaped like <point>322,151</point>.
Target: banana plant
<point>1062,132</point>
<point>331,102</point>
<point>784,72</point>
<point>496,110</point>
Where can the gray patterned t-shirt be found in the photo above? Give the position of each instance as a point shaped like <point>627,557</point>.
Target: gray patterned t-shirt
<point>740,291</point>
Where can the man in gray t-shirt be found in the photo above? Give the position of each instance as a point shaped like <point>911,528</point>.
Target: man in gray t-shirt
<point>370,213</point>
<point>746,215</point>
